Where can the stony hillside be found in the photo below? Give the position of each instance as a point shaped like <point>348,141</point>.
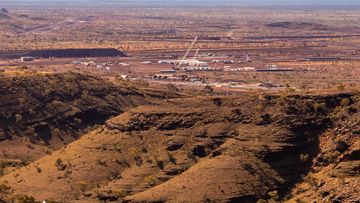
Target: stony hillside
<point>205,149</point>
<point>335,171</point>
<point>43,112</point>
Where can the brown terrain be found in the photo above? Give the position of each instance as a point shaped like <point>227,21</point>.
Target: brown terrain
<point>205,149</point>
<point>322,46</point>
<point>85,120</point>
<point>43,112</point>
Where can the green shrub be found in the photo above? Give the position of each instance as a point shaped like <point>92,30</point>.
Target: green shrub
<point>260,108</point>
<point>60,165</point>
<point>172,87</point>
<point>331,157</point>
<point>119,193</point>
<point>4,188</point>
<point>150,180</point>
<point>24,199</point>
<point>217,102</point>
<point>311,181</point>
<point>341,87</point>
<point>208,89</point>
<point>304,157</point>
<point>320,107</point>
<point>83,185</point>
<point>273,195</point>
<point>345,102</point>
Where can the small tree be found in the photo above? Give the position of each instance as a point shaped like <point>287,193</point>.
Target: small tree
<point>345,102</point>
<point>217,102</point>
<point>172,87</point>
<point>320,107</point>
<point>260,108</point>
<point>341,87</point>
<point>208,89</point>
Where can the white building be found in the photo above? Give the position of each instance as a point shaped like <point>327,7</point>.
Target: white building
<point>27,58</point>
<point>124,64</point>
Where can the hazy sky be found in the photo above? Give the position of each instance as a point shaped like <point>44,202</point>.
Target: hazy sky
<point>4,3</point>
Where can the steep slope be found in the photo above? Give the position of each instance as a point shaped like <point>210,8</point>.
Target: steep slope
<point>335,172</point>
<point>39,112</point>
<point>4,14</point>
<point>197,149</point>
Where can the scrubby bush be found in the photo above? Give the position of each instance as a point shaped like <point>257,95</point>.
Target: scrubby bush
<point>60,165</point>
<point>311,181</point>
<point>159,163</point>
<point>4,188</point>
<point>217,102</point>
<point>18,118</point>
<point>273,195</point>
<point>172,87</point>
<point>304,157</point>
<point>172,158</point>
<point>83,185</point>
<point>320,107</point>
<point>208,89</point>
<point>331,157</point>
<point>24,199</point>
<point>341,87</point>
<point>260,108</point>
<point>38,169</point>
<point>150,180</point>
<point>119,193</point>
<point>345,102</point>
<point>133,151</point>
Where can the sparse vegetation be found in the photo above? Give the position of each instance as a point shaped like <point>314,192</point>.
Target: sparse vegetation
<point>341,87</point>
<point>83,185</point>
<point>38,169</point>
<point>320,108</point>
<point>345,102</point>
<point>24,199</point>
<point>119,193</point>
<point>208,89</point>
<point>273,195</point>
<point>172,87</point>
<point>4,188</point>
<point>284,136</point>
<point>260,108</point>
<point>60,165</point>
<point>331,157</point>
<point>311,181</point>
<point>172,158</point>
<point>217,102</point>
<point>150,180</point>
<point>304,157</point>
<point>134,151</point>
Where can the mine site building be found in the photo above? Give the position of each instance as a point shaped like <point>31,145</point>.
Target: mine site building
<point>269,85</point>
<point>248,68</point>
<point>27,58</point>
<point>228,61</point>
<point>167,62</point>
<point>271,66</point>
<point>275,70</point>
<point>124,64</point>
<point>168,71</point>
<point>197,63</point>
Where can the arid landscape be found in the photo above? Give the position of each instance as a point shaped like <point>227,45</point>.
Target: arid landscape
<point>179,103</point>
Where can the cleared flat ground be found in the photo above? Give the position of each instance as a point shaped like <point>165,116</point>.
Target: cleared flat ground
<point>284,37</point>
